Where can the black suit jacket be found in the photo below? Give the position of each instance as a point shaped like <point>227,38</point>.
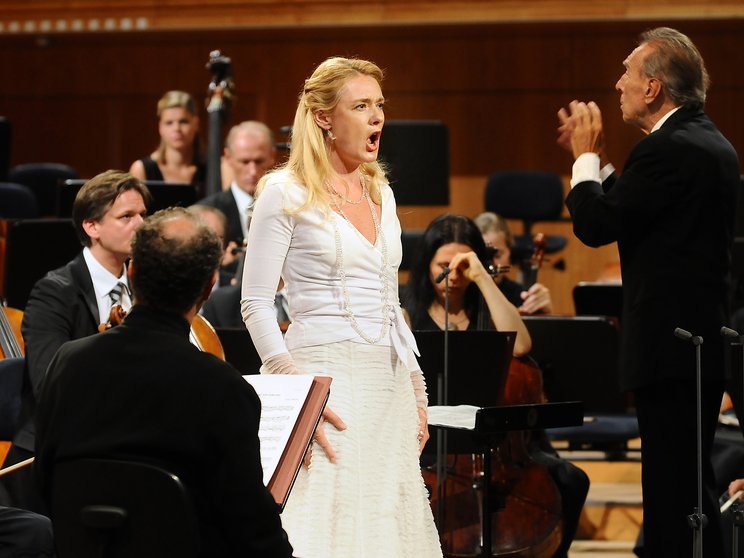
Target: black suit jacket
<point>222,308</point>
<point>61,306</point>
<point>672,213</point>
<point>141,391</point>
<point>225,202</point>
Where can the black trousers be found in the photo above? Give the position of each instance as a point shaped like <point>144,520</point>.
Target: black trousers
<point>667,420</point>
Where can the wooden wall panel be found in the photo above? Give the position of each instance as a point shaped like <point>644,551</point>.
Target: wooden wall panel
<point>88,99</point>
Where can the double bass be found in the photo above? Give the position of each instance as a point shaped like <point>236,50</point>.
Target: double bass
<point>527,521</point>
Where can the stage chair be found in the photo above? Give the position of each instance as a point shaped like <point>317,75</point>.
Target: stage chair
<point>102,508</point>
<point>529,196</point>
<point>32,248</point>
<point>579,360</point>
<point>17,202</point>
<point>43,179</point>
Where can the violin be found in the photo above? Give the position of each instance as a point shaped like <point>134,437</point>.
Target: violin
<point>11,340</point>
<point>527,521</point>
<point>202,334</point>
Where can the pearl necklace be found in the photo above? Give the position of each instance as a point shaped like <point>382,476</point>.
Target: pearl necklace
<point>385,290</point>
<point>347,200</point>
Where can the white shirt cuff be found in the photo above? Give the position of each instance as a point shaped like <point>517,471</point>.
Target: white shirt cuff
<point>586,167</point>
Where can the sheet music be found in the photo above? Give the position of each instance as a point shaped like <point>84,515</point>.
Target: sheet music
<point>282,397</point>
<point>454,416</point>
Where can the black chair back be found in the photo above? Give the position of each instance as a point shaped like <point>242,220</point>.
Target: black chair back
<point>103,508</point>
<point>44,180</point>
<point>32,248</point>
<point>529,196</point>
<point>17,202</point>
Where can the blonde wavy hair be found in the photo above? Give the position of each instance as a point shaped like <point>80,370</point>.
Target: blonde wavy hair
<point>309,160</point>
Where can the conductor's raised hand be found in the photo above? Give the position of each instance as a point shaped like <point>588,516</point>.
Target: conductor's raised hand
<point>333,419</point>
<point>587,134</point>
<point>565,129</point>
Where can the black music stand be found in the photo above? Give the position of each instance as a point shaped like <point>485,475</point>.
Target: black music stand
<point>490,426</point>
<point>578,356</point>
<point>478,367</point>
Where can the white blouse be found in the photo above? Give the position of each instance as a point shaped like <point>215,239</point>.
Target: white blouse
<point>302,249</point>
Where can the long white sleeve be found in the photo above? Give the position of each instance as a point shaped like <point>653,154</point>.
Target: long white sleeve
<point>268,243</point>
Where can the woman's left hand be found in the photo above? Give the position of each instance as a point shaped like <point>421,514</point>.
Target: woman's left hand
<point>423,430</point>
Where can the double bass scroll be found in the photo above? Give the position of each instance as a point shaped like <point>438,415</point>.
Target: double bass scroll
<point>219,99</point>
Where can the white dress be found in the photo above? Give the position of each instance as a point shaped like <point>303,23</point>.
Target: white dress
<point>372,502</point>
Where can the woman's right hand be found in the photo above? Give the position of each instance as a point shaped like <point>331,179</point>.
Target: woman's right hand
<point>320,436</point>
<point>469,265</point>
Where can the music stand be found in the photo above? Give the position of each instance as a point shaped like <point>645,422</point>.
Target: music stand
<point>416,156</point>
<point>164,194</point>
<point>598,299</point>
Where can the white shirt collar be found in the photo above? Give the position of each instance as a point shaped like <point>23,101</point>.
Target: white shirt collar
<point>103,282</point>
<point>664,119</point>
<point>243,200</point>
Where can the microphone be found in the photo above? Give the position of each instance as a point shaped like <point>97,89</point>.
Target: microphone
<point>728,332</point>
<point>687,336</point>
<point>445,272</point>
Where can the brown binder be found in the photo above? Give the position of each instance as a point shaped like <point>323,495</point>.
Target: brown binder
<point>299,440</point>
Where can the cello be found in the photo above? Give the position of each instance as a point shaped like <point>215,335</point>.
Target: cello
<point>527,521</point>
<point>11,340</point>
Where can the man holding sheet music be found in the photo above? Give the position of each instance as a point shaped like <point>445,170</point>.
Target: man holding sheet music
<point>141,391</point>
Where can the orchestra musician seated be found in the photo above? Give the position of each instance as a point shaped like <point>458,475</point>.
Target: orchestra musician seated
<point>454,243</point>
<point>72,301</point>
<point>497,235</point>
<point>179,157</point>
<point>249,153</point>
<point>194,415</point>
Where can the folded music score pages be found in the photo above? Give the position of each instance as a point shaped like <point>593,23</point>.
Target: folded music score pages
<point>453,416</point>
<point>291,406</point>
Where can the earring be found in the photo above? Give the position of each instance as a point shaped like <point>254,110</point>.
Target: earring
<point>330,135</point>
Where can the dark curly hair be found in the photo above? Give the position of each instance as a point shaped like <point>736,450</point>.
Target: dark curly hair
<point>174,257</point>
<point>445,229</point>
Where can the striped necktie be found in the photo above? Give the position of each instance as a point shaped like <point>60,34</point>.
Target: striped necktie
<point>116,293</point>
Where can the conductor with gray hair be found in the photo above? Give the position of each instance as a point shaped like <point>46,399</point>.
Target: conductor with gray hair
<point>671,212</point>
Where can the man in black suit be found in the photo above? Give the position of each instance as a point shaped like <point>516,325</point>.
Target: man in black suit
<point>672,213</point>
<point>249,153</point>
<point>142,392</point>
<point>71,302</point>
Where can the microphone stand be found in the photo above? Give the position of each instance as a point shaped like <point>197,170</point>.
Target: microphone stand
<point>443,399</point>
<point>738,511</point>
<point>697,519</point>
